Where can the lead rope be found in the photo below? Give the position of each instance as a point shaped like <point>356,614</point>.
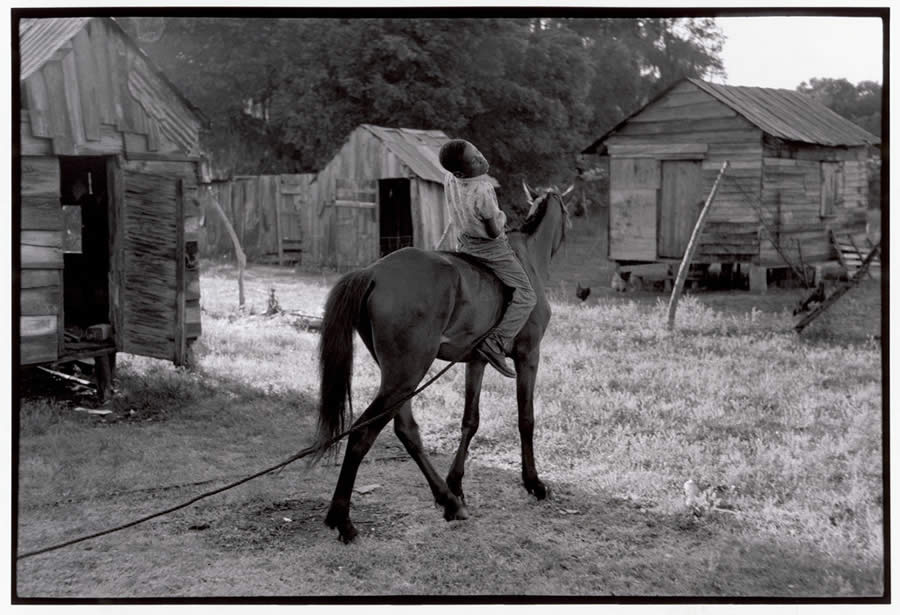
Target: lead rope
<point>309,450</point>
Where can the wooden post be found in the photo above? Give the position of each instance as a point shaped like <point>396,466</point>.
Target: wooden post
<point>104,373</point>
<point>278,230</point>
<point>238,252</point>
<point>691,248</point>
<point>758,280</point>
<point>180,331</point>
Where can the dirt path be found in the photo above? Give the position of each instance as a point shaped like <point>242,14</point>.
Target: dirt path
<point>267,539</point>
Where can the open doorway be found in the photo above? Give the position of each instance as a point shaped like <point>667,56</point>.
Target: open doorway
<point>86,243</point>
<point>395,217</point>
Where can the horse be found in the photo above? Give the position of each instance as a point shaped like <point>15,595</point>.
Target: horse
<point>414,306</point>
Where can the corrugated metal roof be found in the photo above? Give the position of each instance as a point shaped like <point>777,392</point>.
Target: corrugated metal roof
<point>418,149</point>
<point>789,115</point>
<point>785,114</point>
<point>40,38</point>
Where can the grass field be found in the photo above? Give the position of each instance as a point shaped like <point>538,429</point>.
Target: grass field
<point>788,426</point>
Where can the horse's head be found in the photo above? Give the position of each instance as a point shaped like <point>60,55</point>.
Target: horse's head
<point>538,201</point>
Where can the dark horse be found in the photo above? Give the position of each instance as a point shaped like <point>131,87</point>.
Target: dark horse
<point>410,308</point>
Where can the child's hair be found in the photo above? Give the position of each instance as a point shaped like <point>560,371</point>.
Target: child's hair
<point>451,155</point>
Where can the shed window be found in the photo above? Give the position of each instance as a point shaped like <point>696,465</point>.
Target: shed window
<point>832,188</point>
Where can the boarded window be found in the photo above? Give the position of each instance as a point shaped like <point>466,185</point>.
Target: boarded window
<point>832,188</point>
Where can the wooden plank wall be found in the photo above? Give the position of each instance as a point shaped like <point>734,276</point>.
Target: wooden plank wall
<point>430,215</point>
<point>256,206</point>
<point>690,124</point>
<point>40,302</point>
<point>793,188</point>
<point>97,95</point>
<point>330,238</point>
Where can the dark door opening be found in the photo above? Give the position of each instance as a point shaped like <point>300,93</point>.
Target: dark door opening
<point>86,242</point>
<point>395,217</point>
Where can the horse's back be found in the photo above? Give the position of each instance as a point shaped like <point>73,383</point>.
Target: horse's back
<point>450,294</point>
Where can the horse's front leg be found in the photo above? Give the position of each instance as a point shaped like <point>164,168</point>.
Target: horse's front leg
<point>474,376</point>
<point>526,374</point>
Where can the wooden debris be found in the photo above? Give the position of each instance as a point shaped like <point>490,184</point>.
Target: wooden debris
<point>366,489</point>
<point>837,294</point>
<point>97,411</point>
<point>307,321</point>
<point>65,376</point>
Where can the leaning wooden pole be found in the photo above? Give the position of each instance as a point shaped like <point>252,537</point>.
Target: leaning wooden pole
<point>691,248</point>
<point>853,281</point>
<point>238,252</point>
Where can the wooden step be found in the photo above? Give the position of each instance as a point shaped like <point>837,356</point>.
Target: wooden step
<point>852,250</point>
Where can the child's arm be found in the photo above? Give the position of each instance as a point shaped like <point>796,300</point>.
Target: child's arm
<point>492,229</point>
<point>490,212</point>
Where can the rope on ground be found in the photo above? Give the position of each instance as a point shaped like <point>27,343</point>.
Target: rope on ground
<point>299,455</point>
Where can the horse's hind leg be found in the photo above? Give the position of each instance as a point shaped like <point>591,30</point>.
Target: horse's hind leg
<point>408,432</point>
<point>474,376</point>
<point>358,444</point>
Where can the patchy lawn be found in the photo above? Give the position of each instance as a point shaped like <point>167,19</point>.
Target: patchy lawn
<point>789,428</point>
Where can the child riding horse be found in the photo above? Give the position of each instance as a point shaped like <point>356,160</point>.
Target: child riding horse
<point>410,308</point>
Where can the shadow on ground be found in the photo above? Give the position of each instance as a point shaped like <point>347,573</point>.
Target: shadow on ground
<point>270,540</point>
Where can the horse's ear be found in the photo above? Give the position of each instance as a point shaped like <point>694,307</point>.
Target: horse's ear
<point>529,193</point>
<point>568,190</point>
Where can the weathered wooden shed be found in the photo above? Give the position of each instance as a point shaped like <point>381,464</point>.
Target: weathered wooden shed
<point>382,191</point>
<point>109,158</point>
<point>797,172</point>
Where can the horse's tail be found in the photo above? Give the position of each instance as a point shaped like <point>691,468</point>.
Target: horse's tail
<point>343,313</point>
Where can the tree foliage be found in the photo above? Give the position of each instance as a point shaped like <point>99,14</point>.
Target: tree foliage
<point>529,92</point>
<point>860,103</point>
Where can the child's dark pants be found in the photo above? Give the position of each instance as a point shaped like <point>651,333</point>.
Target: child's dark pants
<point>499,256</point>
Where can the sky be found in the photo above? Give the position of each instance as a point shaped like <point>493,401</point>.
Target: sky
<point>782,52</point>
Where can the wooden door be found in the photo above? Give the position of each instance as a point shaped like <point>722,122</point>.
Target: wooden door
<point>633,196</point>
<point>356,222</point>
<point>680,202</point>
<point>152,277</point>
<point>292,203</point>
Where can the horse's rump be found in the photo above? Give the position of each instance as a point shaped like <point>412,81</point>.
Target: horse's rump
<point>462,296</point>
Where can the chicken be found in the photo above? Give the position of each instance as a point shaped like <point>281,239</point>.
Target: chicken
<point>581,292</point>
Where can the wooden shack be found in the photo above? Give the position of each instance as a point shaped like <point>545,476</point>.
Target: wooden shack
<point>382,191</point>
<point>109,158</point>
<point>797,173</point>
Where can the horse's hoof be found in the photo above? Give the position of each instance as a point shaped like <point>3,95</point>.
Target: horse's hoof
<point>456,510</point>
<point>538,489</point>
<point>347,534</point>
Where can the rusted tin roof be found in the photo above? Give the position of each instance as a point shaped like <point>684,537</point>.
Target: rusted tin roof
<point>789,115</point>
<point>781,113</point>
<point>40,38</point>
<point>418,149</point>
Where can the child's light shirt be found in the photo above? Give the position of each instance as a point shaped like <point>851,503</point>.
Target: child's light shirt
<point>471,201</point>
